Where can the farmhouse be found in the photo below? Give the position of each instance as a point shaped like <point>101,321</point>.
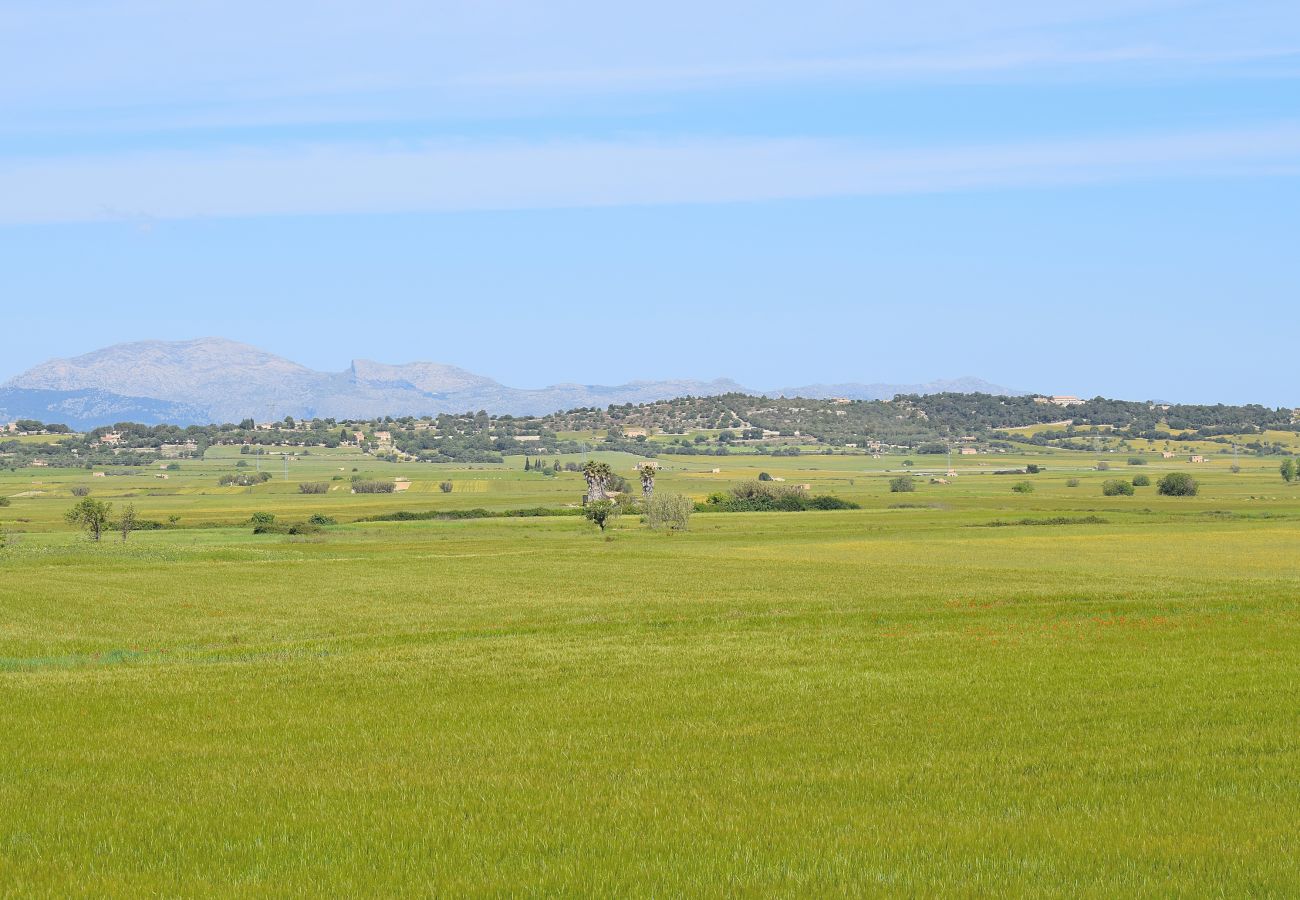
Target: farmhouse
<point>1166,454</point>
<point>1196,458</point>
<point>528,438</point>
<point>635,432</point>
<point>98,475</point>
<point>968,451</point>
<point>112,438</point>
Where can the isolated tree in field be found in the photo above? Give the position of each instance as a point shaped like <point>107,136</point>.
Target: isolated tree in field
<point>1289,470</point>
<point>903,484</point>
<point>602,512</point>
<point>597,475</point>
<point>1177,484</point>
<point>92,515</point>
<point>647,473</point>
<point>126,524</point>
<point>1117,487</point>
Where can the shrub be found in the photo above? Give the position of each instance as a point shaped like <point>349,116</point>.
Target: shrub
<point>1136,461</point>
<point>244,480</point>
<point>671,512</point>
<point>901,485</point>
<point>829,501</point>
<point>763,476</point>
<point>4,501</point>
<point>319,519</point>
<point>1289,470</point>
<point>1023,487</point>
<point>270,528</point>
<point>373,486</point>
<point>314,487</point>
<point>262,518</point>
<point>1103,467</point>
<point>908,462</point>
<point>1033,469</point>
<point>1072,482</point>
<point>304,528</point>
<point>81,491</point>
<point>444,486</point>
<point>1117,487</point>
<point>1178,484</point>
<point>1141,480</point>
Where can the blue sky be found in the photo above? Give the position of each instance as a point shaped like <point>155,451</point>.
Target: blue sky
<point>1084,197</point>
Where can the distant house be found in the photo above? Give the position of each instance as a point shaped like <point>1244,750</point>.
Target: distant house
<point>841,401</point>
<point>1196,458</point>
<point>98,475</point>
<point>715,471</point>
<point>968,451</point>
<point>652,463</point>
<point>528,438</point>
<point>1166,454</point>
<point>1065,400</point>
<point>112,438</point>
<point>635,432</point>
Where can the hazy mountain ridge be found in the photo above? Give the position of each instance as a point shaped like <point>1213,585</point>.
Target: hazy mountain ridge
<point>218,380</point>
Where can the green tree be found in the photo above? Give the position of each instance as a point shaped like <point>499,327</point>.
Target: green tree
<point>92,515</point>
<point>1177,484</point>
<point>127,522</point>
<point>1117,487</point>
<point>1289,470</point>
<point>601,512</point>
<point>671,512</point>
<point>903,484</point>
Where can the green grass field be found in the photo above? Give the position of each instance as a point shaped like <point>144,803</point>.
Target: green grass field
<point>892,700</point>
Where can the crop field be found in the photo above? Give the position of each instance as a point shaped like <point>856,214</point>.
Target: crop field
<point>959,689</point>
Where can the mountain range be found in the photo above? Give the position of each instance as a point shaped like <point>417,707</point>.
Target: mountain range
<point>218,380</point>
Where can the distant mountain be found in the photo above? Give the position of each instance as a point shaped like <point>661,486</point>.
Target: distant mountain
<point>855,391</point>
<point>85,409</point>
<point>217,380</point>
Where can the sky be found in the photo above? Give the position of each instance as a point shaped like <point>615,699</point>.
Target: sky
<point>1097,197</point>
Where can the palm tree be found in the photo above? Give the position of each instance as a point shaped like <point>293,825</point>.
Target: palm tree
<point>597,475</point>
<point>647,473</point>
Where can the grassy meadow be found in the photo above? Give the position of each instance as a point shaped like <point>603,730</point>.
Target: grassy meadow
<point>918,697</point>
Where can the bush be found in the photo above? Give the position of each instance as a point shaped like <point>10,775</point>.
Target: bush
<point>1103,467</point>
<point>759,496</point>
<point>319,519</point>
<point>903,484</point>
<point>1141,480</point>
<point>81,491</point>
<point>304,528</point>
<point>671,512</point>
<point>262,518</point>
<point>444,486</point>
<point>1178,484</point>
<point>314,487</point>
<point>244,480</point>
<point>1033,469</point>
<point>1136,461</point>
<point>1117,487</point>
<point>366,486</point>
<point>1072,482</point>
<point>1023,487</point>
<point>763,476</point>
<point>270,528</point>
<point>4,501</point>
<point>908,462</point>
<point>1289,470</point>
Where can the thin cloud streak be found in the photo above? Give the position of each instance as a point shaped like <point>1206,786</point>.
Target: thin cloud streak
<point>465,176</point>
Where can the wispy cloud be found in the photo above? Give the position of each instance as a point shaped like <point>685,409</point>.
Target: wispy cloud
<point>449,176</point>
